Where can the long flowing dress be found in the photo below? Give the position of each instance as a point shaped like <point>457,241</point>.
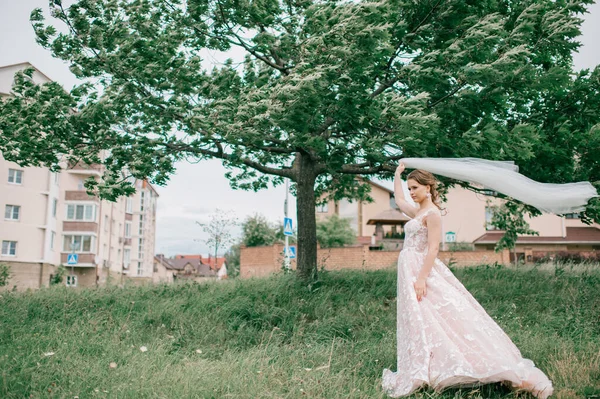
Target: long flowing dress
<point>447,339</point>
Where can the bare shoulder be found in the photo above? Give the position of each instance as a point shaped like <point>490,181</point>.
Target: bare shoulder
<point>433,216</point>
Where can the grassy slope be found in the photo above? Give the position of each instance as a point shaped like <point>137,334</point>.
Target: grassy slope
<point>273,338</point>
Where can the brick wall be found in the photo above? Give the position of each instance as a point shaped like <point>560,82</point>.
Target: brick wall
<point>25,275</point>
<point>262,261</point>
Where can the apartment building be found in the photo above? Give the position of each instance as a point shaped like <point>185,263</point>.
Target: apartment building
<point>49,217</point>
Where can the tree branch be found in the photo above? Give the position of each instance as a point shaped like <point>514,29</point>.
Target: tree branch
<point>453,92</point>
<point>177,148</point>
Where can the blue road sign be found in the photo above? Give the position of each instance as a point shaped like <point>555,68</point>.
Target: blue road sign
<point>72,259</point>
<point>287,227</point>
<point>292,253</point>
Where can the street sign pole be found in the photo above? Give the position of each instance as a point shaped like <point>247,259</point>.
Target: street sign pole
<point>286,261</point>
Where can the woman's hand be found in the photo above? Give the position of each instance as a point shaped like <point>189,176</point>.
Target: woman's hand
<point>400,169</point>
<point>420,289</point>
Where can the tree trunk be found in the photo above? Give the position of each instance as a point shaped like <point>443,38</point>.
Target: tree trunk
<point>307,225</point>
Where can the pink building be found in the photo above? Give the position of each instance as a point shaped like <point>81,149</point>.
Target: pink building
<point>49,216</point>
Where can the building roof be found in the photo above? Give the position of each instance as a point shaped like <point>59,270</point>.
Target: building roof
<point>202,269</point>
<point>211,262</point>
<point>575,235</point>
<point>389,217</point>
<point>26,64</point>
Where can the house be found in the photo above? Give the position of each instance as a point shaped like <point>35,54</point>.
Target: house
<point>50,220</point>
<point>217,264</point>
<point>186,267</point>
<point>466,219</point>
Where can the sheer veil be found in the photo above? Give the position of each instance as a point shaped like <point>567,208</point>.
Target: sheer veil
<point>503,177</point>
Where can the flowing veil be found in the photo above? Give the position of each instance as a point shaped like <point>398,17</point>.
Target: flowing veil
<point>503,177</point>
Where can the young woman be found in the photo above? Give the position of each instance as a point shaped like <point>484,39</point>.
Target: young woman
<point>445,338</point>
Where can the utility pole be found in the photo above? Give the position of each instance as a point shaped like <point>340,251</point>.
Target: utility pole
<point>286,264</point>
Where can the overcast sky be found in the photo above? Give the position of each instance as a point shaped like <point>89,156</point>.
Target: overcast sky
<point>197,190</point>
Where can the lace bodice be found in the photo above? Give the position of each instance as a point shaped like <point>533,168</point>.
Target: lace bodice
<point>416,232</point>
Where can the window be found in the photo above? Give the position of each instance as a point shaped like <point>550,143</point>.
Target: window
<point>9,248</point>
<point>141,229</point>
<point>393,204</point>
<point>129,205</point>
<point>52,236</point>
<point>126,258</point>
<point>78,243</point>
<point>105,222</point>
<point>139,268</point>
<point>15,176</point>
<point>323,208</point>
<point>141,249</point>
<point>573,216</point>
<point>488,219</point>
<point>81,212</point>
<point>142,201</point>
<point>127,229</point>
<point>54,206</point>
<point>55,177</point>
<point>80,185</point>
<point>12,212</point>
<point>71,280</point>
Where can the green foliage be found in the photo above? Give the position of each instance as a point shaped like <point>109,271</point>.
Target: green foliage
<point>277,336</point>
<point>460,246</point>
<point>335,232</point>
<point>258,231</point>
<point>59,275</point>
<point>510,217</point>
<point>232,258</point>
<point>4,274</point>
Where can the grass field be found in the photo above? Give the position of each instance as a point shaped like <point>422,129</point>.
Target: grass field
<point>274,338</point>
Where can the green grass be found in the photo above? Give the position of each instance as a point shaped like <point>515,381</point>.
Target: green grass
<point>274,338</point>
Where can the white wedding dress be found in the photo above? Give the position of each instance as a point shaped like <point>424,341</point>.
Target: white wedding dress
<point>447,339</point>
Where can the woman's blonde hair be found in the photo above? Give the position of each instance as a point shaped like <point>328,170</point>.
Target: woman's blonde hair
<point>425,178</point>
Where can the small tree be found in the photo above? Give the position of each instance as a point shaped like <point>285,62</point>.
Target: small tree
<point>257,231</point>
<point>335,232</point>
<point>510,218</point>
<point>218,229</point>
<point>57,278</point>
<point>232,257</point>
<point>4,274</point>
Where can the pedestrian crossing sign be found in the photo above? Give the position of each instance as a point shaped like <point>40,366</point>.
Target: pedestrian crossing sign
<point>72,259</point>
<point>287,227</point>
<point>291,253</point>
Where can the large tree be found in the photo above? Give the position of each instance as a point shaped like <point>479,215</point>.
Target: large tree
<point>328,90</point>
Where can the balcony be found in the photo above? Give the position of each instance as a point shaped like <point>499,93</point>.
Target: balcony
<point>85,260</point>
<point>80,226</point>
<point>79,195</point>
<point>125,241</point>
<point>84,169</point>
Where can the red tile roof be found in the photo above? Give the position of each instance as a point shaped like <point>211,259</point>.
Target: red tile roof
<point>210,260</point>
<point>575,235</point>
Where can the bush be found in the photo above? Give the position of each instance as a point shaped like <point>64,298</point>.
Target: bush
<point>335,232</point>
<point>460,246</point>
<point>57,278</point>
<point>4,274</point>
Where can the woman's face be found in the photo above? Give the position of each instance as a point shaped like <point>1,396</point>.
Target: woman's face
<point>418,192</point>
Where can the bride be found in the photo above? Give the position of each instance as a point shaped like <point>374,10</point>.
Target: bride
<point>445,338</point>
